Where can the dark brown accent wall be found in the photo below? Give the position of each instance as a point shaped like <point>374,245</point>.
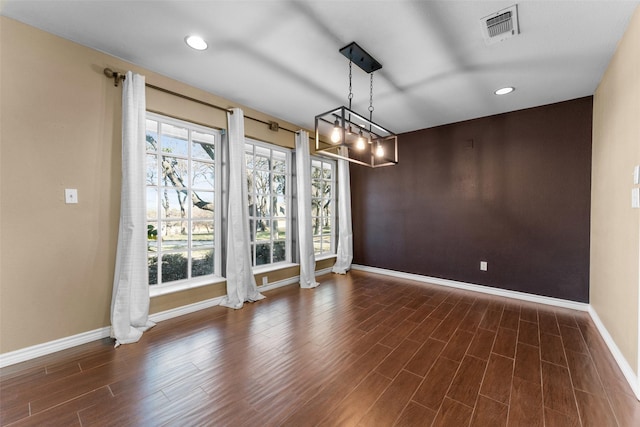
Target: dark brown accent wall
<point>511,189</point>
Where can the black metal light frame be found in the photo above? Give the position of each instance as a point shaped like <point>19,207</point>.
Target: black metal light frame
<point>352,125</point>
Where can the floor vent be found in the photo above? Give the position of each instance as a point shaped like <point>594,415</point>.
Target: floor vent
<point>500,25</point>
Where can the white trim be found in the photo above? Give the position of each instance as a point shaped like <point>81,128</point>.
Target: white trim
<point>627,370</point>
<point>38,350</point>
<point>183,285</point>
<point>185,309</point>
<point>557,302</point>
<point>267,268</point>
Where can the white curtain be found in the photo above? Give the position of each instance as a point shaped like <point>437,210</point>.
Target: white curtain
<point>241,284</point>
<point>305,238</point>
<point>345,234</point>
<point>130,298</point>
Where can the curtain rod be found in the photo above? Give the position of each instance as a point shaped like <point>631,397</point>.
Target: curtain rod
<point>118,77</point>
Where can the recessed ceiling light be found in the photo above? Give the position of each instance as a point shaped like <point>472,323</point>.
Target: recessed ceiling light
<point>195,42</point>
<point>504,90</point>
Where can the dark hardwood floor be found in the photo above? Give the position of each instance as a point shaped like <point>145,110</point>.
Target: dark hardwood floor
<point>360,350</point>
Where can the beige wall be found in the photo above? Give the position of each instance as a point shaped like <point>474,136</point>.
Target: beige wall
<point>615,226</point>
<point>60,128</point>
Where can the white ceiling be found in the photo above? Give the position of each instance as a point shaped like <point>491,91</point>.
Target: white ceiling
<point>281,56</point>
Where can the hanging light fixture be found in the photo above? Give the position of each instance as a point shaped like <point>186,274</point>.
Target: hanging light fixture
<point>344,134</point>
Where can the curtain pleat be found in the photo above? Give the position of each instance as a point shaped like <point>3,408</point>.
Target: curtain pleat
<point>130,298</point>
<point>305,238</point>
<point>241,283</point>
<point>344,252</point>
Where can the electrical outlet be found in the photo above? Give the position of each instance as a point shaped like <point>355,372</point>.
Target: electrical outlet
<point>483,265</point>
<point>635,197</point>
<point>265,280</point>
<point>70,196</point>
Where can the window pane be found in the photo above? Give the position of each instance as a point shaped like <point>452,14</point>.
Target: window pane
<point>203,175</point>
<point>151,135</point>
<point>262,207</point>
<point>202,145</point>
<point>202,233</point>
<point>263,230</point>
<point>248,156</point>
<point>262,182</point>
<point>152,203</point>
<point>279,251</point>
<point>174,171</point>
<point>263,254</point>
<point>262,158</point>
<point>173,203</point>
<point>250,180</point>
<point>152,263</point>
<point>174,267</point>
<point>279,229</point>
<point>327,208</point>
<point>316,227</point>
<point>317,244</point>
<point>152,237</point>
<point>174,235</point>
<point>203,206</point>
<point>279,184</point>
<point>279,206</point>
<point>279,161</point>
<point>326,245</point>
<point>316,190</point>
<point>326,226</point>
<point>152,169</point>
<point>327,171</point>
<point>175,140</point>
<point>315,169</point>
<point>201,263</point>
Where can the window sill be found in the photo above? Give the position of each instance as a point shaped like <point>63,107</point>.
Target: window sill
<point>273,267</point>
<point>323,257</point>
<point>157,290</point>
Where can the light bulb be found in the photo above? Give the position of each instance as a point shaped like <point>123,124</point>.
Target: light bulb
<point>379,150</point>
<point>360,142</point>
<point>335,135</point>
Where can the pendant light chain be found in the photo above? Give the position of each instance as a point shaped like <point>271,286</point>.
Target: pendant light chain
<point>371,98</point>
<point>350,88</point>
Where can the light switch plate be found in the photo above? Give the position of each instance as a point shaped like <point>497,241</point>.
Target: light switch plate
<point>636,175</point>
<point>483,265</point>
<point>70,195</point>
<point>635,197</point>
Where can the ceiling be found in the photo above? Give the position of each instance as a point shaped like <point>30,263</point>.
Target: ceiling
<point>281,56</point>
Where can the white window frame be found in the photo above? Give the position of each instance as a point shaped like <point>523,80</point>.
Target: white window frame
<point>333,217</point>
<point>252,145</point>
<point>191,282</point>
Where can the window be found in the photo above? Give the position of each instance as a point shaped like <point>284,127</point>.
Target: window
<point>268,176</point>
<point>323,196</point>
<point>182,193</point>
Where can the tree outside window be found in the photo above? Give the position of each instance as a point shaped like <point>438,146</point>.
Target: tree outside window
<point>181,197</point>
<point>323,205</point>
<point>268,172</point>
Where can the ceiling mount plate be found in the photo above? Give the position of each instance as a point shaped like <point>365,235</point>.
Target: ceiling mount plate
<point>360,57</point>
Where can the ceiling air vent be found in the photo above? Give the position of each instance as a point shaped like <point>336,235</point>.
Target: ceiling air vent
<point>500,25</point>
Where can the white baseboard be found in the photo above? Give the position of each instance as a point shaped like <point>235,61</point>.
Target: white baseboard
<point>622,362</point>
<point>557,302</point>
<point>28,353</point>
